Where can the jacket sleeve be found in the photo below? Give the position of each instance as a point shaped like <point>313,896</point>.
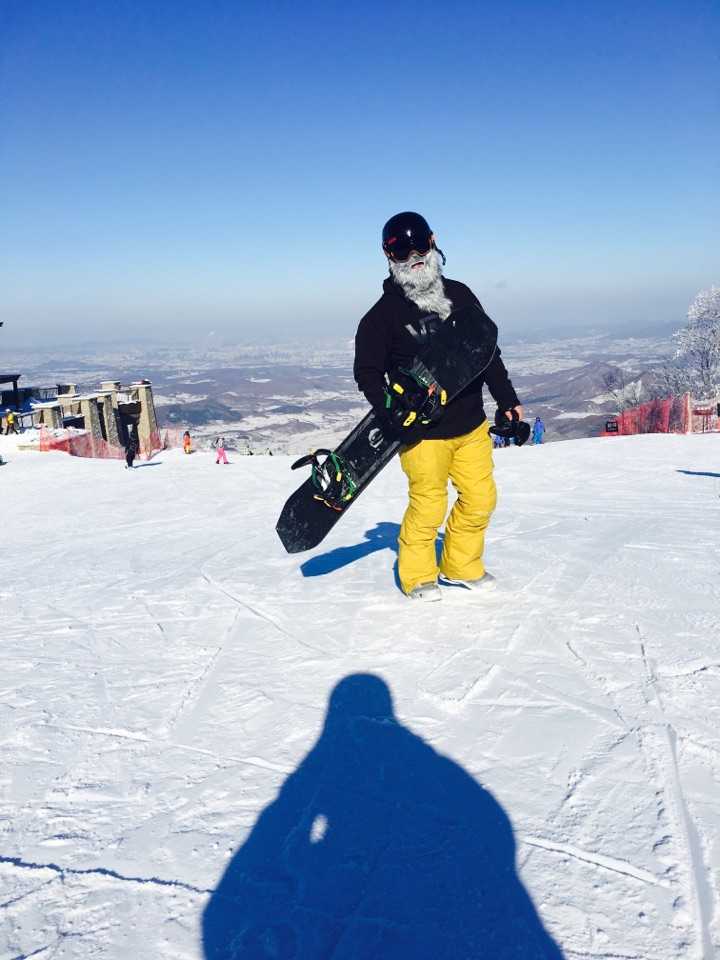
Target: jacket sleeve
<point>498,381</point>
<point>371,360</point>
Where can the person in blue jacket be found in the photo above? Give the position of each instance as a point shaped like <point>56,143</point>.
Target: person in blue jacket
<point>538,430</point>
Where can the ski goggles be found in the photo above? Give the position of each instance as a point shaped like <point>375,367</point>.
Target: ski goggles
<point>400,247</point>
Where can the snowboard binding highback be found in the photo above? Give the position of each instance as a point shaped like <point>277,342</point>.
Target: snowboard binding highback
<point>413,396</point>
<point>332,478</point>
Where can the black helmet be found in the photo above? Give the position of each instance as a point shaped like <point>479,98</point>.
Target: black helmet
<point>406,232</point>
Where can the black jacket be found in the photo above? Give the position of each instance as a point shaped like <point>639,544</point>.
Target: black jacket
<point>382,343</point>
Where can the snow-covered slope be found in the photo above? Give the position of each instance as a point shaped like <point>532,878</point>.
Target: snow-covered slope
<point>165,678</point>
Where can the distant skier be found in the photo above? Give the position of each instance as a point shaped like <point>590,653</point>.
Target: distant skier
<point>458,446</point>
<point>131,449</point>
<point>10,422</point>
<point>187,442</point>
<point>220,450</point>
<point>538,431</point>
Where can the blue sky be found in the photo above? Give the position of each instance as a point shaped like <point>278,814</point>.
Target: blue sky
<point>168,169</point>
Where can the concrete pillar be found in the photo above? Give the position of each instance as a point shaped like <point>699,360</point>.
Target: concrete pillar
<point>50,415</point>
<point>90,414</point>
<point>70,404</point>
<point>148,433</point>
<point>108,405</point>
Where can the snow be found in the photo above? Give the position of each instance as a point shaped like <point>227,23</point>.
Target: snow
<point>552,776</point>
<point>573,415</point>
<point>165,400</point>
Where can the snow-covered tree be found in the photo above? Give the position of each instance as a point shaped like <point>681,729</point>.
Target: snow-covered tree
<point>623,392</point>
<point>698,344</point>
<point>670,380</point>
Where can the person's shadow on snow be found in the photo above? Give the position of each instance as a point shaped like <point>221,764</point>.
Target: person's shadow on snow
<point>383,536</point>
<point>376,848</point>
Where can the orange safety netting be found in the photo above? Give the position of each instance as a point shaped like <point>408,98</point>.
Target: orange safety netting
<point>83,444</point>
<point>657,416</point>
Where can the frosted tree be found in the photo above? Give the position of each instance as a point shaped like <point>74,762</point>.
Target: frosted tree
<point>623,392</point>
<point>670,380</point>
<point>698,344</point>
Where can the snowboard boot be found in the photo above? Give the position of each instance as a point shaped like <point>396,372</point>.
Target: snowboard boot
<point>429,592</point>
<point>486,582</point>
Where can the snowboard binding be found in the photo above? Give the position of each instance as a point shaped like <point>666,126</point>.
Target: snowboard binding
<point>333,480</point>
<point>413,397</point>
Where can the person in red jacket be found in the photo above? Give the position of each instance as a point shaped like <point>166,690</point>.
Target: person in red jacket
<point>457,447</point>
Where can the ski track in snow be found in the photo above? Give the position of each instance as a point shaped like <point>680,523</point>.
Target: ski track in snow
<point>166,667</point>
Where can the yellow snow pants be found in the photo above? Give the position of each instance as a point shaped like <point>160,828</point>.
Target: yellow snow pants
<point>429,464</point>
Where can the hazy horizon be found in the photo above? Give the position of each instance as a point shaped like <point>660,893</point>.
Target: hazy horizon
<point>219,341</point>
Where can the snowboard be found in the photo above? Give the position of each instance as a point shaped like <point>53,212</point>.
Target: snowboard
<point>450,354</point>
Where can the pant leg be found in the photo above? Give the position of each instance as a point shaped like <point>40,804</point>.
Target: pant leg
<point>224,456</point>
<point>471,473</point>
<point>426,465</point>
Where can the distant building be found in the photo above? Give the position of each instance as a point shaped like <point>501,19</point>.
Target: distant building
<point>105,416</point>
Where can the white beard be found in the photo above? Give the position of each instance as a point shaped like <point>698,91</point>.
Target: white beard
<point>423,285</point>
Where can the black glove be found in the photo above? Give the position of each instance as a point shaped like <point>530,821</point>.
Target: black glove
<point>393,430</point>
<point>515,427</point>
<point>413,399</point>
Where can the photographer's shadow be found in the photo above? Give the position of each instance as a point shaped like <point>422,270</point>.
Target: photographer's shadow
<point>376,848</point>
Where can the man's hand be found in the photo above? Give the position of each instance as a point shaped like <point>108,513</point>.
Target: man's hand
<point>509,423</point>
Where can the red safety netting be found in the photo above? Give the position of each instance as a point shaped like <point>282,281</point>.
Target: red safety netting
<point>83,444</point>
<point>672,415</point>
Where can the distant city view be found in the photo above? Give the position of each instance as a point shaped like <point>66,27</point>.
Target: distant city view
<point>287,398</point>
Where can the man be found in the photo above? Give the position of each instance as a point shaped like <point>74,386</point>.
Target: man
<point>131,449</point>
<point>538,430</point>
<point>10,426</point>
<point>457,447</point>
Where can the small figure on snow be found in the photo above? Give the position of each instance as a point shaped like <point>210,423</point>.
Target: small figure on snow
<point>187,442</point>
<point>10,422</point>
<point>457,447</point>
<point>131,449</point>
<point>219,445</point>
<point>538,430</point>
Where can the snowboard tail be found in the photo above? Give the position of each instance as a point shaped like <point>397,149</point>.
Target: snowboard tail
<point>452,353</point>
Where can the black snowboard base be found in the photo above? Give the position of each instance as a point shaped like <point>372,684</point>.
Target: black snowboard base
<point>455,351</point>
